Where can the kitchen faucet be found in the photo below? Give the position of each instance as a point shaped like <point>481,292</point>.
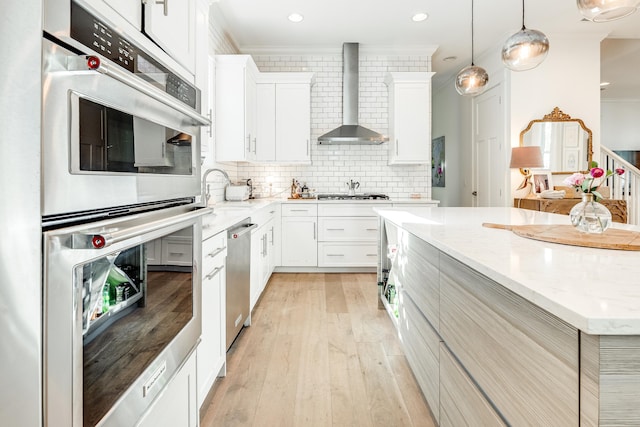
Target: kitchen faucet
<point>205,188</point>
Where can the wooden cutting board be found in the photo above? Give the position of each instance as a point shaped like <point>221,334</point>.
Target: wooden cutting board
<point>612,238</point>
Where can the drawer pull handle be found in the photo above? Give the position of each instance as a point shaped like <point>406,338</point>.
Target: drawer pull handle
<point>372,255</point>
<point>372,229</point>
<point>176,253</point>
<point>214,272</point>
<point>335,229</point>
<point>335,254</point>
<point>216,252</point>
<point>299,210</point>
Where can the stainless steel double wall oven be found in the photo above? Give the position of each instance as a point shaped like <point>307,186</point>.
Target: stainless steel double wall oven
<point>121,229</point>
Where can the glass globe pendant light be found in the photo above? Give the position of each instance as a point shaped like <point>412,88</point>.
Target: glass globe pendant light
<point>471,80</point>
<point>526,49</point>
<point>607,10</point>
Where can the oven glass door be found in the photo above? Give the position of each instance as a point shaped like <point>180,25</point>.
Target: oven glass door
<point>122,311</point>
<point>112,140</point>
<point>135,302</point>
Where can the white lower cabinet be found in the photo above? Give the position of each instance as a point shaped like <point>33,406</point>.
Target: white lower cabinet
<point>177,405</point>
<point>175,249</point>
<point>338,254</point>
<point>212,347</point>
<point>264,246</point>
<point>300,234</point>
<point>348,235</point>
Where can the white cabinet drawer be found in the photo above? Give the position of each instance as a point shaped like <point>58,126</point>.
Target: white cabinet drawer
<point>358,229</point>
<point>208,229</point>
<point>177,251</point>
<point>347,254</point>
<point>300,209</point>
<point>264,215</point>
<point>349,209</point>
<point>213,248</point>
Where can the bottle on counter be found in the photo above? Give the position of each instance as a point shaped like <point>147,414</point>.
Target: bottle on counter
<point>105,297</point>
<point>294,189</point>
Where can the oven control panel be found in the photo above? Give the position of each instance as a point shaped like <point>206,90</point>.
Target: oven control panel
<point>95,34</point>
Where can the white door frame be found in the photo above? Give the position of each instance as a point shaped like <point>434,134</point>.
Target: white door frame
<point>478,171</point>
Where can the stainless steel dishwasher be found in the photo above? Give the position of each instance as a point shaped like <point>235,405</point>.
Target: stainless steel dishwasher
<point>238,278</point>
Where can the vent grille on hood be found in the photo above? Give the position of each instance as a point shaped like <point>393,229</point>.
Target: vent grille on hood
<point>351,132</point>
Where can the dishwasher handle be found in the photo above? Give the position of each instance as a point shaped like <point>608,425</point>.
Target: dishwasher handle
<point>237,232</point>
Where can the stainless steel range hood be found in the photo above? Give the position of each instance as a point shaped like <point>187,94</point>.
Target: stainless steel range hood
<point>350,132</point>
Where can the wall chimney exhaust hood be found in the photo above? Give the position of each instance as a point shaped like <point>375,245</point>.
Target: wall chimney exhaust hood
<point>351,132</point>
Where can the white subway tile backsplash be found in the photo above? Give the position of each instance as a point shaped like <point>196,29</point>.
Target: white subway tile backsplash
<point>332,166</point>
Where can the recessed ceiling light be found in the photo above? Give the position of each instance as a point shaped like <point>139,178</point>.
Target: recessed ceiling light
<point>419,17</point>
<point>295,17</point>
<point>603,84</point>
<point>450,58</point>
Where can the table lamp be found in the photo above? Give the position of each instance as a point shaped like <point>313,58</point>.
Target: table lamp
<point>525,158</point>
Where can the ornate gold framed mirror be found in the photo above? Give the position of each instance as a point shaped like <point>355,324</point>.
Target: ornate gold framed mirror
<point>565,142</point>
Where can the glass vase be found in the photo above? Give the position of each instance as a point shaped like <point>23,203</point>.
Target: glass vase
<point>590,216</point>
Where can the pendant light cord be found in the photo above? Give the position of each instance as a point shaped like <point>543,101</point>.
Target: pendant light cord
<point>523,27</point>
<point>472,64</point>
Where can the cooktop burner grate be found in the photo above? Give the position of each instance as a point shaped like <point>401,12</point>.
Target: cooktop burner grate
<point>359,196</point>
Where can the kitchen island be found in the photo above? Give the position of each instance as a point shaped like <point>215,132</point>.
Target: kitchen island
<point>509,330</point>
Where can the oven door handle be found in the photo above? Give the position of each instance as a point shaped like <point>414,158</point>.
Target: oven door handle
<point>95,63</point>
<point>102,240</point>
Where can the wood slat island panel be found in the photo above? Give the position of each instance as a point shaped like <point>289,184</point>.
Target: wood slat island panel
<point>522,357</point>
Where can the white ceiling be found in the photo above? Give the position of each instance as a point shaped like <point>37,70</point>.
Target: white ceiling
<point>262,26</point>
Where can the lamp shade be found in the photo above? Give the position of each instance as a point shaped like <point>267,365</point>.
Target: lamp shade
<point>526,157</point>
<point>525,50</point>
<point>471,80</point>
<point>607,10</point>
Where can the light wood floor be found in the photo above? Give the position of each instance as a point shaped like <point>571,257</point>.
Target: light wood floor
<point>318,353</point>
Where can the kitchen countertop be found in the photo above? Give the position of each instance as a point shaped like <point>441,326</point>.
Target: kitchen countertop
<point>226,214</point>
<point>595,290</point>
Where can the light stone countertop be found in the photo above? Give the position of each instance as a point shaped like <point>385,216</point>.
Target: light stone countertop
<point>595,290</point>
<point>226,214</point>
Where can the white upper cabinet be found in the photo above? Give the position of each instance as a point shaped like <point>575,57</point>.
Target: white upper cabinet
<point>235,100</point>
<point>171,25</point>
<point>266,122</point>
<point>129,10</point>
<point>284,117</point>
<point>409,117</point>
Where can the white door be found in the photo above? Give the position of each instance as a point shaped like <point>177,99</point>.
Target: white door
<point>490,168</point>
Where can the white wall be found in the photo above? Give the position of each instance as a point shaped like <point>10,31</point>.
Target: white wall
<point>620,124</point>
<point>452,118</point>
<point>569,79</point>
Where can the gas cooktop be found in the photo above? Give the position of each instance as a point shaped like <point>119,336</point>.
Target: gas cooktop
<point>357,196</point>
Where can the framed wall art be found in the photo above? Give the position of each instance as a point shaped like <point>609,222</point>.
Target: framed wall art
<point>437,162</point>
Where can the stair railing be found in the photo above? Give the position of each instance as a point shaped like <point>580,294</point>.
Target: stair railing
<point>626,186</point>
